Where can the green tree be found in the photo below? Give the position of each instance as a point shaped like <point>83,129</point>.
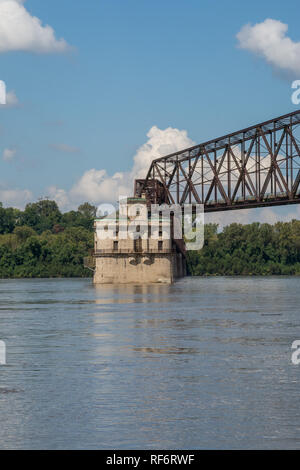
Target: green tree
<point>41,215</point>
<point>8,219</point>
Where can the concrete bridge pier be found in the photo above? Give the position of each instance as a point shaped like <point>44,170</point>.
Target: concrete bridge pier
<point>151,257</point>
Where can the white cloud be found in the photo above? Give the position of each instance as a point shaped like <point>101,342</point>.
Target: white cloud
<point>9,154</point>
<point>19,31</point>
<point>160,142</point>
<point>11,100</point>
<point>268,40</point>
<point>59,195</point>
<point>64,148</point>
<point>96,186</point>
<point>15,197</point>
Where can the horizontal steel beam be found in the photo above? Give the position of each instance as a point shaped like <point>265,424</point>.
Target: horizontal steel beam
<point>238,136</point>
<point>257,166</point>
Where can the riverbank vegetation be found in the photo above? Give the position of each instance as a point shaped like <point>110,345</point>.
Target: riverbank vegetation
<point>43,242</point>
<point>254,249</point>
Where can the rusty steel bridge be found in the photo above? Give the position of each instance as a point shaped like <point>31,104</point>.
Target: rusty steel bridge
<point>254,167</point>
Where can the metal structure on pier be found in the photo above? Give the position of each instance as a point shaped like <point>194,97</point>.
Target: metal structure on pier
<point>254,167</point>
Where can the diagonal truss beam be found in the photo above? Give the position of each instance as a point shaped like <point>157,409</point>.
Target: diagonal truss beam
<point>253,167</point>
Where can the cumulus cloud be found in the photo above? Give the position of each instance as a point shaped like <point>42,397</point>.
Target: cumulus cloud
<point>15,197</point>
<point>64,148</point>
<point>160,143</point>
<point>20,31</point>
<point>59,195</point>
<point>9,154</point>
<point>96,186</point>
<point>269,40</point>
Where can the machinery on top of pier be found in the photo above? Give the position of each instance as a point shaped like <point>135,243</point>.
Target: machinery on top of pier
<point>254,167</point>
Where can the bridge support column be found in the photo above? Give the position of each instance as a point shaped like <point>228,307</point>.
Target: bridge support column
<point>120,268</point>
<point>148,259</point>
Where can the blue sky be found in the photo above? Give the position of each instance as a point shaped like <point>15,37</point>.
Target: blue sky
<point>131,65</point>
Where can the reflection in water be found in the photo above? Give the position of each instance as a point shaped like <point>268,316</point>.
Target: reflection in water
<point>131,293</point>
<point>204,363</point>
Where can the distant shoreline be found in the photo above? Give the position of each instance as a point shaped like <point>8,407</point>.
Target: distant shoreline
<point>186,277</point>
<point>41,242</point>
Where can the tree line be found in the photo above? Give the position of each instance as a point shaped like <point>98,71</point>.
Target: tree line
<point>41,241</point>
<point>253,249</point>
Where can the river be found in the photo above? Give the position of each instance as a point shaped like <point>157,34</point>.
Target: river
<point>202,364</point>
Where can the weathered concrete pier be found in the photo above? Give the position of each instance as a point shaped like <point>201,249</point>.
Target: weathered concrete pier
<point>133,248</point>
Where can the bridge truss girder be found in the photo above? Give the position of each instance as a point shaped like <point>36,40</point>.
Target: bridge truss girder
<point>255,167</point>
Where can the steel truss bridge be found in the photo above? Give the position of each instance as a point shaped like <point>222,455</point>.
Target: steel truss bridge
<point>254,167</point>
